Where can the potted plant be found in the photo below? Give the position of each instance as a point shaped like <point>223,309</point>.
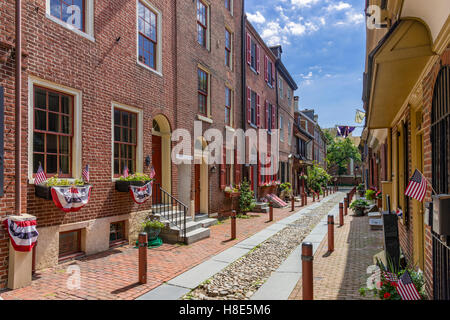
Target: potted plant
<point>44,190</point>
<point>153,228</point>
<point>358,206</point>
<point>137,179</point>
<point>370,194</point>
<point>379,197</point>
<point>286,190</point>
<point>361,189</point>
<point>246,198</point>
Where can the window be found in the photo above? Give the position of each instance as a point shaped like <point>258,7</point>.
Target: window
<point>228,105</point>
<point>254,49</point>
<point>72,12</point>
<point>52,134</point>
<point>253,108</point>
<point>202,92</point>
<point>228,5</point>
<point>269,117</point>
<point>289,133</point>
<point>202,23</point>
<point>148,39</point>
<point>228,46</point>
<point>270,75</point>
<point>116,232</point>
<point>281,129</point>
<point>280,86</point>
<point>125,141</point>
<point>69,243</point>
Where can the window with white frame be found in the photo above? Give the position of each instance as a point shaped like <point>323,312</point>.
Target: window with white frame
<point>54,117</point>
<point>76,15</point>
<point>281,128</point>
<point>149,36</point>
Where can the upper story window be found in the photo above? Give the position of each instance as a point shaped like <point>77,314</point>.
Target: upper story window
<point>228,48</point>
<point>269,116</point>
<point>202,23</point>
<point>281,128</point>
<point>280,87</point>
<point>270,75</point>
<point>253,54</point>
<point>148,39</point>
<point>202,92</point>
<point>253,107</point>
<point>289,133</point>
<point>125,141</point>
<point>53,132</point>
<point>72,12</point>
<point>254,49</point>
<point>228,5</point>
<point>228,105</point>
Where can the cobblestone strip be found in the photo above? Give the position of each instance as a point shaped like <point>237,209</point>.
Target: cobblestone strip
<point>242,278</point>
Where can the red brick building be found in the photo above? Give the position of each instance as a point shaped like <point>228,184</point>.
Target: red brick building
<point>261,103</point>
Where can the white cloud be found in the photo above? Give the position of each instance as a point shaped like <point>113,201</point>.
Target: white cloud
<point>304,3</point>
<point>339,6</point>
<point>296,29</point>
<point>256,18</point>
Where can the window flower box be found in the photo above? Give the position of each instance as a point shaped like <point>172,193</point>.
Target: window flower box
<point>137,180</point>
<point>232,194</point>
<point>44,190</point>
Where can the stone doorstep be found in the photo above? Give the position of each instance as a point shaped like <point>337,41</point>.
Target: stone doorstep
<point>376,224</point>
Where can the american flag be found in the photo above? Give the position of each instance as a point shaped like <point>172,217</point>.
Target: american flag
<point>40,175</point>
<point>152,173</point>
<point>126,172</point>
<point>85,173</point>
<point>390,276</point>
<point>417,187</point>
<point>406,288</point>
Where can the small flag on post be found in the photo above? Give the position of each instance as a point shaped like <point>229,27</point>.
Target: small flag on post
<point>417,187</point>
<point>85,173</point>
<point>40,176</point>
<point>152,172</point>
<point>126,172</point>
<point>406,288</point>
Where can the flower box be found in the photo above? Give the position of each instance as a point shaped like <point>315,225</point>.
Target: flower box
<point>232,194</point>
<point>45,192</point>
<point>124,186</point>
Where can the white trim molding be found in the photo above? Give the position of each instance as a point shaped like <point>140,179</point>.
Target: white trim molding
<point>140,136</point>
<point>77,124</point>
<point>88,20</point>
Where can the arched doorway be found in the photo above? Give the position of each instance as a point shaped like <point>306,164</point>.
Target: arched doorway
<point>201,185</point>
<point>161,145</point>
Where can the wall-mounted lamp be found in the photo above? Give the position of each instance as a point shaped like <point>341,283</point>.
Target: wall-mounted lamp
<point>213,169</point>
<point>147,160</point>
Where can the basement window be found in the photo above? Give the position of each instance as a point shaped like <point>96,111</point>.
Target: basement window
<point>116,233</point>
<point>70,244</point>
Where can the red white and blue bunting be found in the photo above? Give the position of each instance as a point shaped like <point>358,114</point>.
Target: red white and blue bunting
<point>23,234</point>
<point>71,199</point>
<point>141,194</point>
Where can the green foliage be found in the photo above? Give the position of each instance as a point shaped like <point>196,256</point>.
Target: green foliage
<point>55,181</point>
<point>370,194</point>
<point>317,178</point>
<point>360,203</point>
<point>286,187</point>
<point>246,197</point>
<point>136,177</point>
<point>152,224</point>
<point>339,153</point>
<point>361,187</point>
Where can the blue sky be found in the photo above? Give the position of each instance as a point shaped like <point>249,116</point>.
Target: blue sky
<point>323,48</point>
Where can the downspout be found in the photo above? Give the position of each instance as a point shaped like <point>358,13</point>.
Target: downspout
<point>244,77</point>
<point>18,120</point>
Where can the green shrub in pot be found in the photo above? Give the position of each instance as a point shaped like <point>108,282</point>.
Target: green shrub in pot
<point>358,206</point>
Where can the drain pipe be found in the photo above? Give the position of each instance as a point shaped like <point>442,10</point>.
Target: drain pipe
<point>18,107</point>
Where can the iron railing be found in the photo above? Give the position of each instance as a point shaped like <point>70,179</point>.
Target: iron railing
<point>170,208</point>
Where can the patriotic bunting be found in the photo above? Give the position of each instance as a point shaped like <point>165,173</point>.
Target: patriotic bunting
<point>23,234</point>
<point>141,194</point>
<point>71,199</point>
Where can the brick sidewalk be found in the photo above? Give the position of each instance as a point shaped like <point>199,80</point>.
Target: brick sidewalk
<point>340,275</point>
<point>113,274</point>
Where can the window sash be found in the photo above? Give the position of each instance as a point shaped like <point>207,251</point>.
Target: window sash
<point>65,4</point>
<point>43,154</point>
<point>253,108</point>
<point>228,106</point>
<point>202,22</point>
<point>124,146</point>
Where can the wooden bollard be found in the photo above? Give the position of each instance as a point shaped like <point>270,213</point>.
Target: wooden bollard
<point>293,203</point>
<point>270,211</point>
<point>307,271</point>
<point>233,224</point>
<point>330,233</point>
<point>142,241</point>
<point>303,199</point>
<point>306,199</point>
<point>341,214</point>
<point>345,206</point>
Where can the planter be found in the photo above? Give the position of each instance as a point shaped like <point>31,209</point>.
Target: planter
<point>380,204</point>
<point>232,194</point>
<point>152,233</point>
<point>45,192</point>
<point>359,211</point>
<point>124,186</point>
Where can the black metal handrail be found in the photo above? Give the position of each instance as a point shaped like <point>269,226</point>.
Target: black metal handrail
<point>170,208</point>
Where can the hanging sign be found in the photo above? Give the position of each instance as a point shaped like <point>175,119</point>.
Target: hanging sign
<point>23,234</point>
<point>141,194</point>
<point>71,199</point>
